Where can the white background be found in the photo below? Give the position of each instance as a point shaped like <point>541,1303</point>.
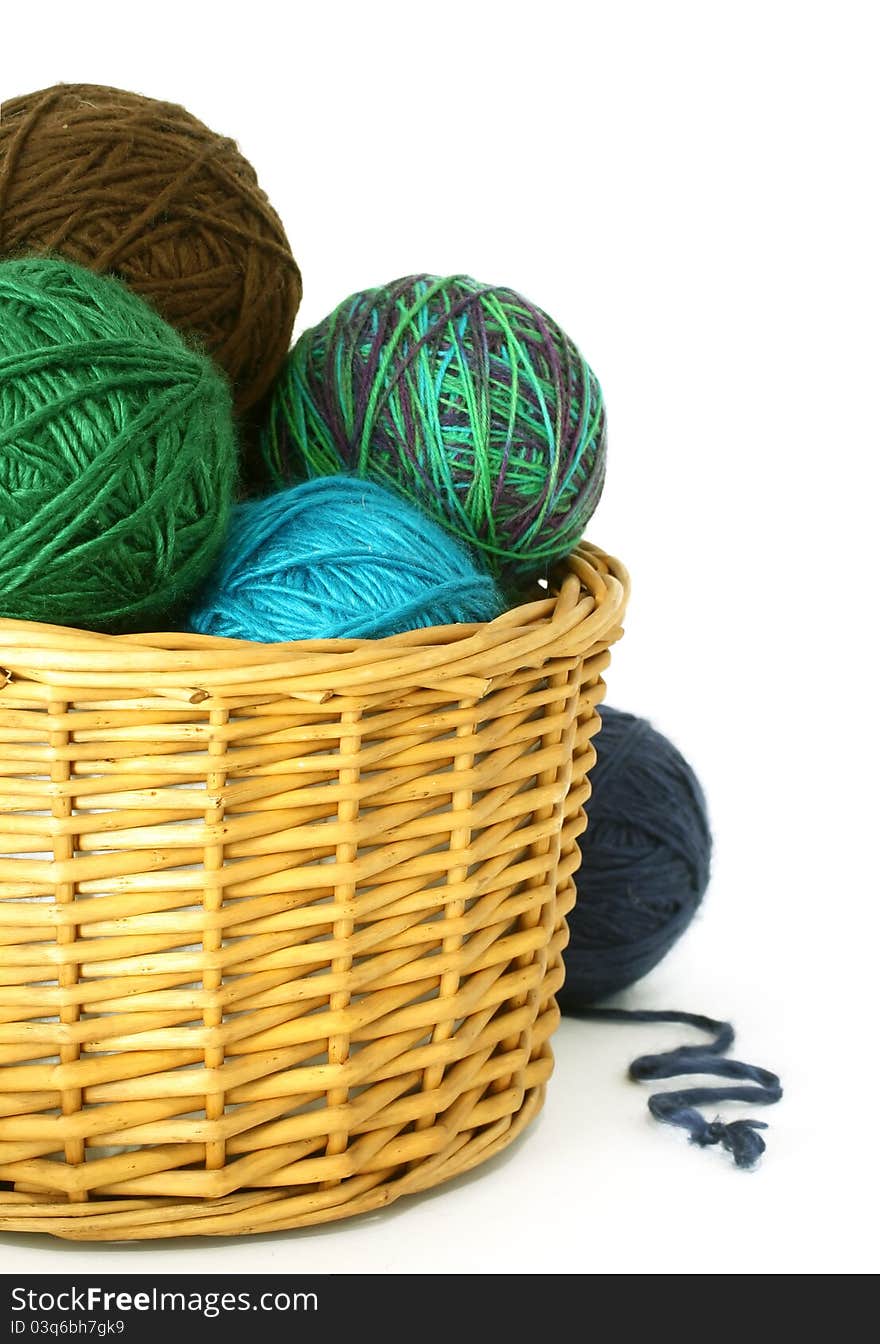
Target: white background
<point>691,190</point>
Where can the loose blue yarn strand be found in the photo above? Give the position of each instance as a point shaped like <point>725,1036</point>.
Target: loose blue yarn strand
<point>739,1137</point>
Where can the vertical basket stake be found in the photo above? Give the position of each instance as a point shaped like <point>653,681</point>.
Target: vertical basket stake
<point>212,938</point>
<point>65,894</point>
<point>339,1045</point>
<point>459,841</point>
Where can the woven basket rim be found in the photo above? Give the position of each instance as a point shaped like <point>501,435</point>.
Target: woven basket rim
<point>590,590</point>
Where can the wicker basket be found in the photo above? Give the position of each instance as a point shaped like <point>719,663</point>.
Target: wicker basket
<point>281,925</point>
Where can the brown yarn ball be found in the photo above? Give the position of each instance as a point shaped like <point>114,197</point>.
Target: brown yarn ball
<point>141,189</point>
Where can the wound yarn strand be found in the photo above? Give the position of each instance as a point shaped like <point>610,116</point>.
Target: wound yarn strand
<point>117,453</point>
<point>464,398</point>
<point>646,860</point>
<point>340,558</point>
<point>140,189</point>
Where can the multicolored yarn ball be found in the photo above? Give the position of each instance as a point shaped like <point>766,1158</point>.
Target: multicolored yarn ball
<point>340,558</point>
<point>142,190</point>
<point>117,453</point>
<point>464,398</point>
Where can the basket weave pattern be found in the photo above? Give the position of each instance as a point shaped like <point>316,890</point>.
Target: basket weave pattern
<point>281,925</point>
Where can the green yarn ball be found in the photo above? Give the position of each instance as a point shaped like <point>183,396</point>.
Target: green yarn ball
<point>117,453</point>
<point>466,399</point>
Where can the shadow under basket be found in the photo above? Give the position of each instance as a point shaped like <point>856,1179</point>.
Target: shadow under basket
<point>281,925</point>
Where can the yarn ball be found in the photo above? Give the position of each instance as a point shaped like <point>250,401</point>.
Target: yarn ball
<point>117,453</point>
<point>464,398</point>
<point>645,861</point>
<point>141,189</point>
<point>340,558</point>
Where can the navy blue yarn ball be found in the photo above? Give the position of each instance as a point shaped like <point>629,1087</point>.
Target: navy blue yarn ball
<point>645,861</point>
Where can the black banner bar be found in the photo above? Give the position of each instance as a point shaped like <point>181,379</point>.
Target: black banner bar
<point>255,1308</point>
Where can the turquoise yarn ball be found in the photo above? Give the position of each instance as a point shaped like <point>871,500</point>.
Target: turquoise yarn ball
<point>466,399</point>
<point>340,558</point>
<point>117,453</point>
